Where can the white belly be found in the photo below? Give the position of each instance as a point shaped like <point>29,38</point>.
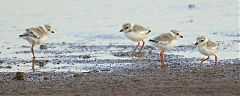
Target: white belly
<point>135,36</point>
<point>206,51</point>
<point>32,40</point>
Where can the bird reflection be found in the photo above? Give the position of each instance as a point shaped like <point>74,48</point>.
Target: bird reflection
<point>40,63</point>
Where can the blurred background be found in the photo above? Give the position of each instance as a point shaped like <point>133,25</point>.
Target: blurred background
<point>94,22</point>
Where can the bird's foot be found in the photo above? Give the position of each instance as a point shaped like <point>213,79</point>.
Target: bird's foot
<point>162,65</point>
<point>202,62</point>
<point>139,54</point>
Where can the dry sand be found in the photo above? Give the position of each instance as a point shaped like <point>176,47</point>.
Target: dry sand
<point>171,81</point>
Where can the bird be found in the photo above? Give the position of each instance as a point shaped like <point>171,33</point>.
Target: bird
<point>207,47</point>
<point>165,42</point>
<point>37,35</point>
<point>136,33</point>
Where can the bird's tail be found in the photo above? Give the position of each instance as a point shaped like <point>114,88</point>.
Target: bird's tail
<point>22,36</point>
<point>150,40</point>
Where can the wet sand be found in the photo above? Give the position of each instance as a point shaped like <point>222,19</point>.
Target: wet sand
<point>135,76</point>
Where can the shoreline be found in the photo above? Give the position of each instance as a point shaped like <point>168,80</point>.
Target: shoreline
<point>71,72</point>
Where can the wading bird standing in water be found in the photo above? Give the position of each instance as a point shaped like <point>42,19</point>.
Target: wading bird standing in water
<point>37,35</point>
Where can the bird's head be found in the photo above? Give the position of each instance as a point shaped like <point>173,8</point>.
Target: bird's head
<point>177,34</point>
<point>201,40</point>
<point>49,28</point>
<point>126,27</point>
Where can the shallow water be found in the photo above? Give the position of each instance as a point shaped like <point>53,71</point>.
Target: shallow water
<point>98,22</point>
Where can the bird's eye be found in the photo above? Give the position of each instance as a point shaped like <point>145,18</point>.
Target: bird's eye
<point>177,33</point>
<point>202,40</point>
<point>126,27</point>
<point>48,29</point>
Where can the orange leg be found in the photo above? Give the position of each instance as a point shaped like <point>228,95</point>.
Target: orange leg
<point>135,48</point>
<point>32,49</point>
<point>161,59</point>
<point>216,60</point>
<point>142,46</point>
<point>202,61</point>
<point>33,64</point>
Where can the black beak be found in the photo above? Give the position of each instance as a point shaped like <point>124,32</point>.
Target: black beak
<point>196,43</point>
<point>53,32</point>
<point>181,36</point>
<point>121,30</point>
<point>149,31</point>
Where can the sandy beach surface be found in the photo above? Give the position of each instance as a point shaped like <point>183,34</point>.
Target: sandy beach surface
<point>139,75</point>
<point>171,81</point>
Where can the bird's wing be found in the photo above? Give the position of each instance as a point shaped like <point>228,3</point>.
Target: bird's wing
<point>140,29</point>
<point>165,37</point>
<point>29,36</point>
<point>212,44</point>
<point>31,33</point>
<point>38,32</point>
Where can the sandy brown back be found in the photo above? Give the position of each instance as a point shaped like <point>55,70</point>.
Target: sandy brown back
<point>139,28</point>
<point>212,44</point>
<point>165,37</point>
<point>39,31</point>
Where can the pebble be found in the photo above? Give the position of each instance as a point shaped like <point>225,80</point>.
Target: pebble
<point>46,78</point>
<point>20,76</point>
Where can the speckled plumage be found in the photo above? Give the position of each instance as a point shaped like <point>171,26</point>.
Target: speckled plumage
<point>165,42</point>
<point>37,35</point>
<point>140,29</point>
<point>135,32</point>
<point>165,37</point>
<point>206,47</point>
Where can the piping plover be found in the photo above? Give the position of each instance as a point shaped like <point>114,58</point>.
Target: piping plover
<point>165,42</point>
<point>136,33</point>
<point>206,47</point>
<point>37,35</point>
